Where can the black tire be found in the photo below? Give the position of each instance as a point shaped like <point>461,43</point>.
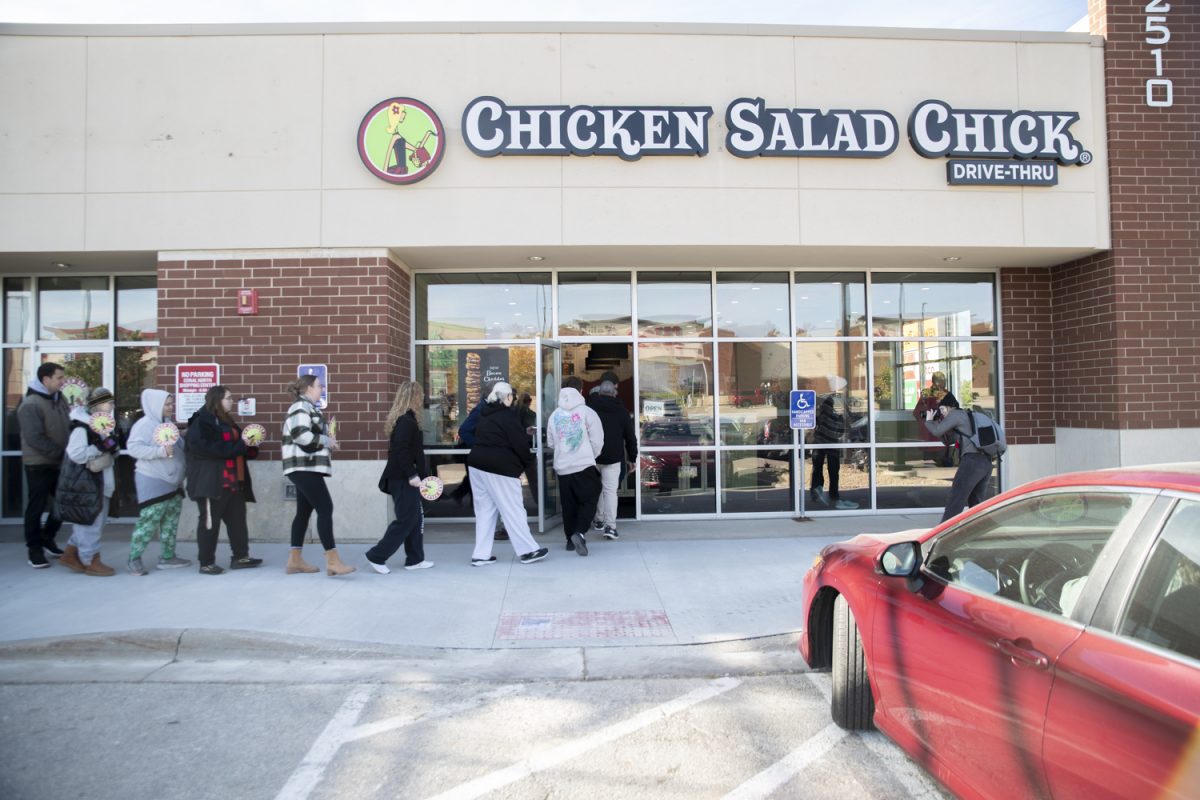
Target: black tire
<point>852,705</point>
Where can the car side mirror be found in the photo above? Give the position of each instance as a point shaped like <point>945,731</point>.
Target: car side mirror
<point>903,560</point>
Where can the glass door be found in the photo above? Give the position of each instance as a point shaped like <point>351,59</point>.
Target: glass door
<point>549,379</point>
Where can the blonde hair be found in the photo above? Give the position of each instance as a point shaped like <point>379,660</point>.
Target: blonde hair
<point>410,396</point>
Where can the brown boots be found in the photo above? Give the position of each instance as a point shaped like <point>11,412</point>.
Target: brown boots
<point>297,564</point>
<point>70,559</point>
<point>99,568</point>
<point>334,564</point>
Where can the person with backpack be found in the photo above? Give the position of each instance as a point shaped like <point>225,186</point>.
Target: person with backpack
<point>980,440</point>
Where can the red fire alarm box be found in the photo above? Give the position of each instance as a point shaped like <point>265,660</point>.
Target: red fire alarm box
<point>247,301</point>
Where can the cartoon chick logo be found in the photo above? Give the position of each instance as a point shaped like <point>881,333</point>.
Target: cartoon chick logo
<point>401,140</point>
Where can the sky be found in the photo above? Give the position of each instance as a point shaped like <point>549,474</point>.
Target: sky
<point>1037,15</point>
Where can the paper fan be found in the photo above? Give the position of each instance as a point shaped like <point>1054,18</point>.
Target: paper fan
<point>74,391</point>
<point>103,423</point>
<point>166,434</point>
<point>254,434</point>
<point>431,488</point>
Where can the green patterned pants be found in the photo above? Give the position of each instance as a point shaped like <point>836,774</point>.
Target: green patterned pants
<point>162,518</point>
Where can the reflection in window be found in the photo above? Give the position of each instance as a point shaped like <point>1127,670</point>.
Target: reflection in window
<point>752,304</point>
<point>18,371</point>
<point>18,310</point>
<point>755,380</point>
<point>676,386</point>
<point>830,304</point>
<point>674,304</point>
<point>594,304</point>
<point>911,377</point>
<point>455,378</point>
<point>84,372</point>
<point>915,304</point>
<point>74,308</point>
<point>137,308</point>
<point>1164,607</point>
<point>904,478</point>
<point>837,372</point>
<point>678,482</point>
<point>837,479</point>
<point>483,306</point>
<point>756,480</point>
<point>135,368</point>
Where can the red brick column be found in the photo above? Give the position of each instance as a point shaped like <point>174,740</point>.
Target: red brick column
<point>1029,334</point>
<point>352,314</point>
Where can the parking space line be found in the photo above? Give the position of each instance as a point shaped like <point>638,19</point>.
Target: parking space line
<point>782,771</point>
<point>543,761</point>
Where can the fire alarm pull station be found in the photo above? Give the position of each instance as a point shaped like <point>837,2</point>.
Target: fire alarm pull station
<point>247,301</point>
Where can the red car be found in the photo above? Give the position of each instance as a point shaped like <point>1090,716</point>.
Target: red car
<point>1045,643</point>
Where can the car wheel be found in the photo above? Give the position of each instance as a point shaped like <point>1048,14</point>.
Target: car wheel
<point>852,705</point>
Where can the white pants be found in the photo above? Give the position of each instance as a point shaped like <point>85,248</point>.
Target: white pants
<point>499,495</point>
<point>606,509</point>
<point>87,537</point>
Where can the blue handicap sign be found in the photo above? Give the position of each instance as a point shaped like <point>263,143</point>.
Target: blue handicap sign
<point>322,373</point>
<point>803,409</point>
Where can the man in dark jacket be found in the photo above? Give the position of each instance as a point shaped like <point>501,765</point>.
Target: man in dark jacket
<point>45,424</point>
<point>620,446</point>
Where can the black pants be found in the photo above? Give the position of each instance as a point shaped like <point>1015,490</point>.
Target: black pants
<point>229,508</point>
<point>834,459</point>
<point>580,493</point>
<point>408,528</point>
<point>312,495</point>
<point>41,483</point>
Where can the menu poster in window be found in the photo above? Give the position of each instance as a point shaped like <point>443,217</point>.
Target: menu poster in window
<point>476,369</point>
<point>191,382</point>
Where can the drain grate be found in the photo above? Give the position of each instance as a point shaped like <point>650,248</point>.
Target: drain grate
<point>585,625</point>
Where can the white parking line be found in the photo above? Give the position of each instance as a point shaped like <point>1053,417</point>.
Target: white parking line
<point>522,769</point>
<point>782,771</point>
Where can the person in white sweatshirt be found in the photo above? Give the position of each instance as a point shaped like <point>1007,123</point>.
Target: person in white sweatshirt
<point>576,436</point>
<point>85,446</point>
<point>159,476</point>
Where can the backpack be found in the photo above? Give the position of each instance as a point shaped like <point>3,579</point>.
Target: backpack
<point>987,435</point>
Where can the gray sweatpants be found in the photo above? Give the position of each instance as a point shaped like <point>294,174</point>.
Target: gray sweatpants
<point>972,484</point>
<point>87,537</point>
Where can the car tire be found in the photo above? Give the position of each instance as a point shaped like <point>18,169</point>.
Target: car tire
<point>852,705</point>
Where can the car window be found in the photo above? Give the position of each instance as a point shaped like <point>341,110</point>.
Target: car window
<point>1037,551</point>
<point>1165,607</point>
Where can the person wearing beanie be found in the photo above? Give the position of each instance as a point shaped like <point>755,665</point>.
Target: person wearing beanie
<point>95,451</point>
<point>620,447</point>
<point>972,480</point>
<point>158,477</point>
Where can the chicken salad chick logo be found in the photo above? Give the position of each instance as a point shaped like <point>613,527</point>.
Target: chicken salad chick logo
<point>400,140</point>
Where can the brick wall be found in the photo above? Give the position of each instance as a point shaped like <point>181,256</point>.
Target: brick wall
<point>1029,334</point>
<point>351,314</point>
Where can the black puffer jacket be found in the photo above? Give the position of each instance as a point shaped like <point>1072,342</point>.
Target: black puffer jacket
<point>212,447</point>
<point>501,444</point>
<point>620,439</point>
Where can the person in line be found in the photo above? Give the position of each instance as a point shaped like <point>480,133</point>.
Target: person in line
<point>620,447</point>
<point>89,448</point>
<point>219,481</point>
<point>403,473</point>
<point>158,477</point>
<point>307,463</point>
<point>466,437</point>
<point>973,478</point>
<point>44,421</point>
<point>576,436</point>
<point>500,455</point>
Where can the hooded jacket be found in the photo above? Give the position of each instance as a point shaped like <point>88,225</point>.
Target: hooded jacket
<point>45,425</point>
<point>620,439</point>
<point>157,476</point>
<point>501,444</point>
<point>574,433</point>
<point>82,446</point>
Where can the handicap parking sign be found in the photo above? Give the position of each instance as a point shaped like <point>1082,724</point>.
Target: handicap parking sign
<point>321,372</point>
<point>803,409</point>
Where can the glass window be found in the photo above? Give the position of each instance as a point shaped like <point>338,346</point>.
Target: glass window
<point>752,304</point>
<point>1036,551</point>
<point>84,371</point>
<point>137,308</point>
<point>454,377</point>
<point>756,480</point>
<point>912,376</point>
<point>483,306</point>
<point>676,392</point>
<point>674,304</point>
<point>18,371</point>
<point>837,479</point>
<point>755,380</point>
<point>1165,605</point>
<point>927,304</point>
<point>18,310</point>
<point>831,304</point>
<point>678,481</point>
<point>905,479</point>
<point>13,489</point>
<point>456,500</point>
<point>135,368</point>
<point>594,304</point>
<point>837,372</point>
<point>74,308</point>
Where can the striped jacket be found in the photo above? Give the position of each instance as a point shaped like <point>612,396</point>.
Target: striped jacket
<point>304,440</point>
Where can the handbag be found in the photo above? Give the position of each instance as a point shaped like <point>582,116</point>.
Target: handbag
<point>79,495</point>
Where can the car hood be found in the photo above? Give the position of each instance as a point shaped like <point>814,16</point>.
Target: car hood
<point>878,541</point>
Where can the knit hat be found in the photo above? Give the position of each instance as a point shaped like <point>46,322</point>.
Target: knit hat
<point>98,396</point>
<point>607,388</point>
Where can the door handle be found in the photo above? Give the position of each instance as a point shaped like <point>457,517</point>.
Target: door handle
<point>1022,654</point>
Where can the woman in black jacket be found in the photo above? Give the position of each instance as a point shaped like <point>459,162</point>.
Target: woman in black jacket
<point>403,473</point>
<point>499,456</point>
<point>219,480</point>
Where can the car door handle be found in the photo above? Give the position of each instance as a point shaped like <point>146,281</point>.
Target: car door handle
<point>1022,653</point>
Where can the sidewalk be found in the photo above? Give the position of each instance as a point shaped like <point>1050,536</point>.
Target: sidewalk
<point>662,583</point>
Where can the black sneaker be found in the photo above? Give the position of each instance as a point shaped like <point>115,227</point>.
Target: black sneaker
<point>597,525</point>
<point>482,562</point>
<point>245,562</point>
<point>611,533</point>
<point>52,549</point>
<point>37,559</point>
<point>536,555</point>
<point>570,546</point>
<point>211,569</point>
<point>580,543</point>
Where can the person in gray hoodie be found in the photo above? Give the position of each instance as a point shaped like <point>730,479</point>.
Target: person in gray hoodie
<point>575,434</point>
<point>972,480</point>
<point>158,477</point>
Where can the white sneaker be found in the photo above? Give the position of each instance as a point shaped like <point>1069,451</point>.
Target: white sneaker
<point>422,565</point>
<point>382,569</point>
